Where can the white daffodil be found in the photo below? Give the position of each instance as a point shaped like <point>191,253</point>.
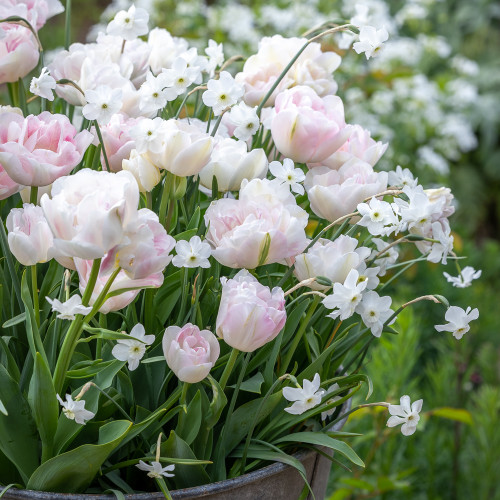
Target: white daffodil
<point>329,413</point>
<point>368,274</point>
<point>465,278</point>
<point>375,311</point>
<point>148,135</point>
<point>370,40</point>
<point>222,93</point>
<point>192,253</point>
<point>43,85</point>
<point>287,174</point>
<point>129,24</point>
<point>246,120</point>
<point>406,415</point>
<point>102,103</point>
<point>70,308</point>
<point>386,259</point>
<point>179,77</point>
<point>378,217</point>
<point>75,410</point>
<point>155,470</point>
<point>133,350</point>
<point>402,177</point>
<point>153,94</point>
<point>215,53</point>
<point>458,321</point>
<point>440,250</point>
<point>306,397</point>
<point>345,297</point>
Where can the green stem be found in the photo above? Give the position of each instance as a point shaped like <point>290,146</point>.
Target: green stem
<point>149,200</point>
<point>228,368</point>
<point>183,412</point>
<point>181,106</point>
<point>167,187</point>
<point>163,487</point>
<point>34,289</point>
<point>67,34</point>
<point>34,195</point>
<point>298,337</point>
<point>103,149</point>
<point>22,97</point>
<point>184,291</point>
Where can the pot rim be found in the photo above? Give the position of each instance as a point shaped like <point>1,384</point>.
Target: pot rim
<point>185,493</point>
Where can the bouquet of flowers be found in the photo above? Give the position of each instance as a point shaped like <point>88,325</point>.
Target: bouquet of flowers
<point>196,261</point>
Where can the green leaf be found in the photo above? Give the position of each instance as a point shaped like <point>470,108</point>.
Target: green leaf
<point>321,439</point>
<point>136,429</point>
<point>457,414</point>
<point>185,235</point>
<point>20,318</point>
<point>185,475</point>
<point>217,404</point>
<point>192,420</point>
<point>11,365</point>
<point>43,400</point>
<point>253,384</point>
<point>194,223</point>
<point>74,470</point>
<point>18,435</point>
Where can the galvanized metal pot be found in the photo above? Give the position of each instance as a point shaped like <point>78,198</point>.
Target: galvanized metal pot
<point>274,482</point>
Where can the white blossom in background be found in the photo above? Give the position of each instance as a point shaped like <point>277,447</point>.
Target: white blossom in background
<point>222,93</point>
<point>133,350</point>
<point>192,253</point>
<point>406,415</point>
<point>75,410</point>
<point>345,297</point>
<point>180,77</point>
<point>246,120</point>
<point>156,470</point>
<point>70,308</point>
<point>153,94</point>
<point>215,53</point>
<point>375,311</point>
<point>378,217</point>
<point>440,250</point>
<point>465,278</point>
<point>287,174</point>
<point>329,413</point>
<point>304,398</point>
<point>129,24</point>
<point>458,321</point>
<point>43,85</point>
<point>370,40</point>
<point>148,135</point>
<point>385,260</point>
<point>402,177</point>
<point>102,104</point>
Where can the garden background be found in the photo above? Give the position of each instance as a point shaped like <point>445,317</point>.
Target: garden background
<point>433,93</point>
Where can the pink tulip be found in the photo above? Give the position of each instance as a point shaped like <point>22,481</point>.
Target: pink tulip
<point>250,314</point>
<point>190,353</point>
<point>89,211</point>
<point>36,150</point>
<point>18,52</point>
<point>308,128</point>
<point>334,193</point>
<point>36,12</point>
<point>30,238</point>
<point>121,282</point>
<point>7,186</point>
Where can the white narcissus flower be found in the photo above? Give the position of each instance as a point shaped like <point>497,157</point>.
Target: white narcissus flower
<point>378,216</point>
<point>246,120</point>
<point>402,177</point>
<point>287,174</point>
<point>329,413</point>
<point>406,415</point>
<point>222,93</point>
<point>148,135</point>
<point>133,350</point>
<point>153,95</point>
<point>43,85</point>
<point>179,77</point>
<point>129,24</point>
<point>215,53</point>
<point>75,410</point>
<point>465,278</point>
<point>440,250</point>
<point>370,40</point>
<point>192,253</point>
<point>386,259</point>
<point>306,397</point>
<point>458,321</point>
<point>68,309</point>
<point>155,470</point>
<point>102,104</point>
<point>375,311</point>
<point>345,297</point>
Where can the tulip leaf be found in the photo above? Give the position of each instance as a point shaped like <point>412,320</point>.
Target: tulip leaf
<point>186,235</point>
<point>185,475</point>
<point>74,470</point>
<point>217,404</point>
<point>11,365</point>
<point>20,318</point>
<point>18,436</point>
<point>253,384</point>
<point>321,439</point>
<point>192,420</point>
<point>43,401</point>
<point>195,220</point>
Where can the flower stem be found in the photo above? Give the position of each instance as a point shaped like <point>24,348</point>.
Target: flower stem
<point>165,197</point>
<point>229,368</point>
<point>300,333</point>
<point>34,195</point>
<point>67,34</point>
<point>163,487</point>
<point>103,149</point>
<point>34,289</point>
<point>183,412</point>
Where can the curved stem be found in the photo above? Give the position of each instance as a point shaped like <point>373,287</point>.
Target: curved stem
<point>103,149</point>
<point>229,368</point>
<point>34,290</point>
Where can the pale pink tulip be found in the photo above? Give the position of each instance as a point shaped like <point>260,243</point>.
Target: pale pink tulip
<point>18,52</point>
<point>36,12</point>
<point>334,193</point>
<point>90,211</point>
<point>36,150</point>
<point>250,314</point>
<point>7,186</point>
<point>121,282</point>
<point>190,353</point>
<point>306,127</point>
<point>30,238</point>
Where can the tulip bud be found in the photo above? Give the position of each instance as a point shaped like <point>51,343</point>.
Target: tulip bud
<point>250,314</point>
<point>190,353</point>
